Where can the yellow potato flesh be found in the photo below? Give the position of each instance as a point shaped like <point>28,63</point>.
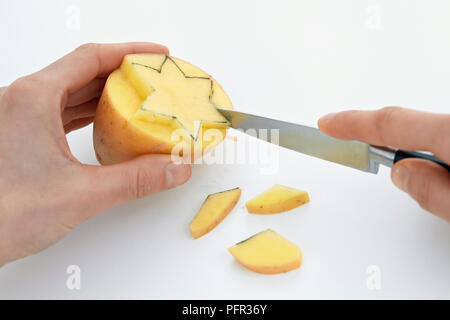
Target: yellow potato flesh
<point>120,134</point>
<point>267,252</point>
<point>277,199</point>
<point>173,95</point>
<point>215,208</point>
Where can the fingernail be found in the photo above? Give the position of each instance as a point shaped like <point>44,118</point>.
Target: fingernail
<point>399,176</point>
<point>327,117</point>
<point>177,173</point>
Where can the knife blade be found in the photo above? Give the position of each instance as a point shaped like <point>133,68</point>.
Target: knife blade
<point>311,141</point>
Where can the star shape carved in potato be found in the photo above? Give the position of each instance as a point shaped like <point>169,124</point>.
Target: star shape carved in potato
<point>180,99</point>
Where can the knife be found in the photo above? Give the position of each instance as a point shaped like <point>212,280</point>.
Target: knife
<point>313,142</point>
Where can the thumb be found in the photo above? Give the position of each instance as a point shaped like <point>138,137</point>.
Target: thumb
<point>138,178</point>
<point>427,182</point>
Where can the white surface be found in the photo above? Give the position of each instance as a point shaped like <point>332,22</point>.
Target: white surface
<point>292,60</point>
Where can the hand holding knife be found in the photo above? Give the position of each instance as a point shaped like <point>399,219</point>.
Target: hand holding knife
<point>428,182</point>
<point>313,142</point>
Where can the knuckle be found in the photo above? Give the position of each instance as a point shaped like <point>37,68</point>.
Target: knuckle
<point>88,46</point>
<point>383,120</point>
<point>30,91</point>
<point>90,51</point>
<point>22,86</point>
<point>143,183</point>
<point>22,91</point>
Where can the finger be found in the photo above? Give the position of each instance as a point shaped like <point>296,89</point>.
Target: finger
<point>392,126</point>
<point>427,182</point>
<point>136,178</point>
<point>92,90</point>
<point>78,68</point>
<point>84,110</point>
<point>77,124</point>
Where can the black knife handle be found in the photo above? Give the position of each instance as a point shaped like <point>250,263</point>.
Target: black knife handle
<point>404,154</point>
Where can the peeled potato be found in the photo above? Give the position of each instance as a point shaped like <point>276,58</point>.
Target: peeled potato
<point>277,199</point>
<point>215,208</point>
<point>267,252</point>
<point>158,104</point>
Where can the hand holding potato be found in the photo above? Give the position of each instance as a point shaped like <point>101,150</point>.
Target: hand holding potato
<point>427,182</point>
<point>45,192</point>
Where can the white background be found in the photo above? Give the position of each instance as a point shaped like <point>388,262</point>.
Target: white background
<point>293,60</point>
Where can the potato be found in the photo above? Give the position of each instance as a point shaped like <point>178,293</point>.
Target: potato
<point>215,208</point>
<point>277,199</point>
<point>158,104</point>
<point>267,252</point>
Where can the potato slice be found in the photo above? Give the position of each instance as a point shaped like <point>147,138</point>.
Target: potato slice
<point>277,199</point>
<point>267,252</point>
<point>215,208</point>
<point>147,99</point>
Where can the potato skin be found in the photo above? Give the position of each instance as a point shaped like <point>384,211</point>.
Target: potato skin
<point>272,269</point>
